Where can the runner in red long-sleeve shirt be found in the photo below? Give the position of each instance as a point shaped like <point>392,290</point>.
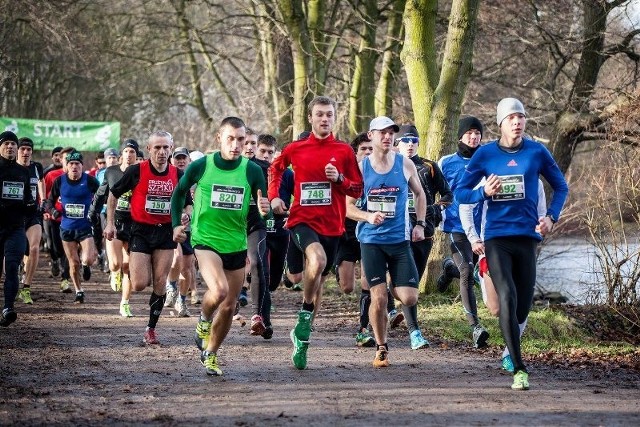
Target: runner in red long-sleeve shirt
<point>325,172</point>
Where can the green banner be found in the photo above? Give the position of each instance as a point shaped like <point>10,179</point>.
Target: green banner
<point>47,134</point>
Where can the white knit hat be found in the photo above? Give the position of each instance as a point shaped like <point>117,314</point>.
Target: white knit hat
<point>508,106</point>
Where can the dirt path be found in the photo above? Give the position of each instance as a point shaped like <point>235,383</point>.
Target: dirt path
<point>66,364</point>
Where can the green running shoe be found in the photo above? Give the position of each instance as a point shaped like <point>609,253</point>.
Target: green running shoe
<point>203,330</point>
<point>25,296</point>
<point>303,326</point>
<point>125,310</point>
<point>364,339</point>
<point>299,355</point>
<point>210,361</point>
<point>520,381</point>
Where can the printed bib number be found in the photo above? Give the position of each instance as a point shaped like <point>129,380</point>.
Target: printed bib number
<point>227,197</point>
<point>384,204</point>
<point>74,210</point>
<point>411,204</point>
<point>271,226</point>
<point>158,205</point>
<point>12,190</point>
<point>315,194</point>
<point>512,188</point>
<point>123,204</point>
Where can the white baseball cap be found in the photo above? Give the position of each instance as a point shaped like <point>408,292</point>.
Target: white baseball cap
<point>383,122</point>
<point>195,155</point>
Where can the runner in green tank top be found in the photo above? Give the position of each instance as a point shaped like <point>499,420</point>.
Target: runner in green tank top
<point>225,183</point>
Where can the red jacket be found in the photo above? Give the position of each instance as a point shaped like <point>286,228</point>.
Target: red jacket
<point>312,205</point>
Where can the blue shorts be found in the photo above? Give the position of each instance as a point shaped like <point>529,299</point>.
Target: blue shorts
<point>76,235</point>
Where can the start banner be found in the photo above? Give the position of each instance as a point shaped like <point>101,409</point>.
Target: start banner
<point>48,134</point>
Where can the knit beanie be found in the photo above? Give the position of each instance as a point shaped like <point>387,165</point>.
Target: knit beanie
<point>466,124</point>
<point>508,106</point>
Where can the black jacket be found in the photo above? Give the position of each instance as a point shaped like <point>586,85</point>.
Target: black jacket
<point>433,182</point>
<point>16,200</point>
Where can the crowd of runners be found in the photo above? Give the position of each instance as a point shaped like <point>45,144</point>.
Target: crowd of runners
<point>246,217</point>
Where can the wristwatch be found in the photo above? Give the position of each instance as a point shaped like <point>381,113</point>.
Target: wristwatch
<point>340,179</point>
<point>421,223</point>
<point>553,220</point>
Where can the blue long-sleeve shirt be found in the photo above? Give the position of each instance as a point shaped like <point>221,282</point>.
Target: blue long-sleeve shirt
<point>513,211</point>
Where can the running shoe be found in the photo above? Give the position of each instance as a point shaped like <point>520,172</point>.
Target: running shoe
<point>242,299</point>
<point>79,298</point>
<point>395,318</point>
<point>303,325</point>
<point>296,287</point>
<point>480,336</point>
<point>449,272</point>
<point>287,283</point>
<point>520,381</point>
<point>55,268</point>
<point>86,272</point>
<point>382,358</point>
<point>417,340</point>
<point>210,361</point>
<point>7,317</point>
<point>116,281</point>
<point>507,363</point>
<point>257,325</point>
<point>125,310</point>
<point>181,308</point>
<point>150,337</point>
<point>25,295</point>
<point>268,332</point>
<point>65,286</point>
<point>195,300</point>
<point>364,339</point>
<point>172,296</point>
<point>203,330</point>
<point>299,354</point>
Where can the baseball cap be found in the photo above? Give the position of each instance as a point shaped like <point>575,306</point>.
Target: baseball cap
<point>382,122</point>
<point>408,130</point>
<point>110,152</point>
<point>195,155</point>
<point>508,106</point>
<point>180,151</point>
<point>74,156</point>
<point>25,142</point>
<point>7,135</point>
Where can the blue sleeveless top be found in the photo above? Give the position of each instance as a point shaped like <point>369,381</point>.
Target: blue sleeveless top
<point>385,193</point>
<point>75,200</point>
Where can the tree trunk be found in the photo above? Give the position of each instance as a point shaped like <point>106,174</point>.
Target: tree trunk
<point>390,63</point>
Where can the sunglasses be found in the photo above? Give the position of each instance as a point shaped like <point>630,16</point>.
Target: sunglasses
<point>408,139</point>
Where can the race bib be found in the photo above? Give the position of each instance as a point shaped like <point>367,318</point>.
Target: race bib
<point>157,205</point>
<point>227,197</point>
<point>411,204</point>
<point>384,204</point>
<point>512,188</point>
<point>123,205</point>
<point>271,226</point>
<point>12,190</point>
<point>315,193</point>
<point>74,210</point>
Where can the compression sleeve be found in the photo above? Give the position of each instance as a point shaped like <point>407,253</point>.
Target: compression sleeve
<point>191,176</point>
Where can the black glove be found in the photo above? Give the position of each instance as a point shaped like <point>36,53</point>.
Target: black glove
<point>55,214</point>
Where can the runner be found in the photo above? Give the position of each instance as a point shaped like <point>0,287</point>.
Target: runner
<point>513,229</point>
<point>325,172</point>
<point>16,203</point>
<point>385,230</point>
<point>56,163</point>
<point>225,182</point>
<point>111,158</point>
<point>33,223</point>
<point>195,299</point>
<point>117,248</point>
<point>74,190</point>
<point>182,270</point>
<point>151,242</point>
<point>453,167</point>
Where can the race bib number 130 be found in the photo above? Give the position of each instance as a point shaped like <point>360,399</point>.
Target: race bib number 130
<point>158,205</point>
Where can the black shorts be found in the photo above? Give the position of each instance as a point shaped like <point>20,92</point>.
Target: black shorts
<point>348,250</point>
<point>187,249</point>
<point>232,261</point>
<point>397,257</point>
<point>295,258</point>
<point>76,235</point>
<point>148,238</point>
<point>302,235</point>
<point>123,230</point>
<point>32,220</point>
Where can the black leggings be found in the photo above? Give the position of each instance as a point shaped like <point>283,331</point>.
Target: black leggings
<point>276,254</point>
<point>463,257</point>
<point>512,263</point>
<point>260,295</point>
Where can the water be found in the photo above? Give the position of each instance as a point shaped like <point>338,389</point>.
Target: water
<point>570,266</point>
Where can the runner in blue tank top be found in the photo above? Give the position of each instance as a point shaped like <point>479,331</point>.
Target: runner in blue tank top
<point>384,230</point>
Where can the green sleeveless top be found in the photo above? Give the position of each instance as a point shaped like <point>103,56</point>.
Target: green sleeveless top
<point>220,206</point>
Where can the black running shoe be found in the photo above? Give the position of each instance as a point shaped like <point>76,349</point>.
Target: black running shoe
<point>55,268</point>
<point>7,317</point>
<point>79,298</point>
<point>268,332</point>
<point>86,272</point>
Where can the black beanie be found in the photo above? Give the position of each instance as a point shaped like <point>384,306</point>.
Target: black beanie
<point>467,123</point>
<point>7,135</point>
<point>56,150</point>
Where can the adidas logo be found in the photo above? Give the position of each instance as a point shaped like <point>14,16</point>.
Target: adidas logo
<point>512,163</point>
